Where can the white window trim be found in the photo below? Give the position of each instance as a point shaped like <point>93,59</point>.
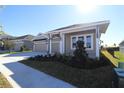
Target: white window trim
<point>91,41</point>
<point>84,35</point>
<point>71,41</point>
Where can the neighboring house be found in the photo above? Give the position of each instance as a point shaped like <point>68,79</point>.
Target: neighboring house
<point>23,40</point>
<point>4,36</point>
<point>121,47</point>
<point>63,40</point>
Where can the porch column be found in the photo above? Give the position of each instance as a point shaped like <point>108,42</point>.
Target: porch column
<point>62,43</point>
<point>50,44</point>
<point>97,42</point>
<point>33,46</point>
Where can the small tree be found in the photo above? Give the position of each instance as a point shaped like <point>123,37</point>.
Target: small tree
<point>8,45</point>
<point>114,45</point>
<point>1,45</point>
<point>80,53</point>
<point>106,45</point>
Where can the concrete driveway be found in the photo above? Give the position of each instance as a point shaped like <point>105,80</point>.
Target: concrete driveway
<point>20,75</point>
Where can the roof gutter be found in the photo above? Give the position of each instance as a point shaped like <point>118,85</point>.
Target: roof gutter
<point>82,27</point>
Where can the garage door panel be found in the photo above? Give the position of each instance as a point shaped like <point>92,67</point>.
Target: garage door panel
<point>55,47</point>
<point>41,47</point>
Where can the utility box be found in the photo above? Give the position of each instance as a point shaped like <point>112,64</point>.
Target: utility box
<point>118,80</point>
<point>121,65</point>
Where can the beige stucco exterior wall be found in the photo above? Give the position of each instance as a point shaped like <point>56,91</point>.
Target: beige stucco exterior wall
<point>55,43</point>
<point>68,49</point>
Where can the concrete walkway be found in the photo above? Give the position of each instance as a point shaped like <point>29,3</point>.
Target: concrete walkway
<point>20,75</point>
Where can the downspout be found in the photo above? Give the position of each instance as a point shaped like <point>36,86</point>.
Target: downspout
<point>49,43</point>
<point>33,46</point>
<point>60,45</point>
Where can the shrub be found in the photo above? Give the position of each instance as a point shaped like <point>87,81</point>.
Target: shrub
<point>91,64</point>
<point>79,60</point>
<point>64,58</point>
<point>45,58</point>
<point>54,57</point>
<point>8,45</point>
<point>80,54</point>
<point>59,58</point>
<point>36,58</point>
<point>23,48</point>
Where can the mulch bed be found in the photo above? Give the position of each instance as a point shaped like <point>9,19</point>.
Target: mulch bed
<point>83,78</point>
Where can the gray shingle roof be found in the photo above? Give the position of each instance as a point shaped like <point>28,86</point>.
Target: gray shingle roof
<point>24,37</point>
<point>5,36</point>
<point>71,26</point>
<point>105,24</point>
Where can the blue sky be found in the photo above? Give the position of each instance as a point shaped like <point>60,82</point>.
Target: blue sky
<point>21,20</point>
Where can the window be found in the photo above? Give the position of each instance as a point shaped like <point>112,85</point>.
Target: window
<point>74,42</point>
<point>87,38</point>
<point>81,38</point>
<point>88,41</point>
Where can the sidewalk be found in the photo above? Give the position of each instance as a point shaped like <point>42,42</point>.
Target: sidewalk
<point>20,75</point>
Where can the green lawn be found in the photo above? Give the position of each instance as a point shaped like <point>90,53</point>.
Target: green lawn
<point>15,52</point>
<point>119,55</point>
<point>18,52</point>
<point>3,82</point>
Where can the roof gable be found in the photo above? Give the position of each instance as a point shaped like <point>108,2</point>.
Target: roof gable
<point>103,25</point>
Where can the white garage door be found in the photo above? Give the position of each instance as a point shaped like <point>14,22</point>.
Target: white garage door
<point>18,46</point>
<point>41,47</point>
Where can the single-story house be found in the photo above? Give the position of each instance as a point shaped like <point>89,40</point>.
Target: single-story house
<point>121,47</point>
<point>63,40</point>
<point>21,41</point>
<point>4,36</point>
<point>17,41</point>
